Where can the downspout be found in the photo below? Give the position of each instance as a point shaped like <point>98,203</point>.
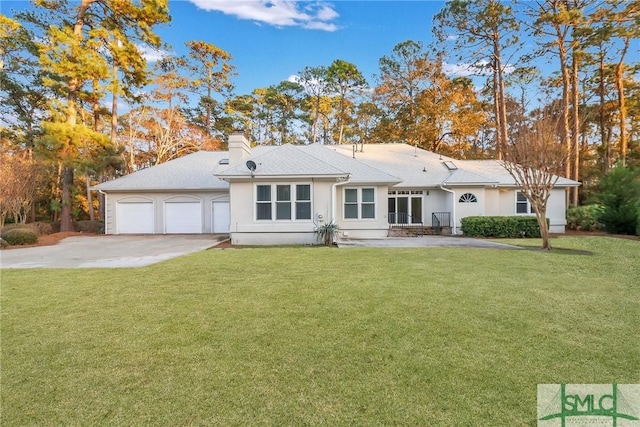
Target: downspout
<point>453,207</point>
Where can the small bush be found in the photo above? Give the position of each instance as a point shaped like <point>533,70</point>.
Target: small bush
<point>20,236</point>
<point>89,226</point>
<point>327,233</point>
<point>500,226</point>
<point>39,228</point>
<point>3,243</point>
<point>585,218</point>
<point>43,228</point>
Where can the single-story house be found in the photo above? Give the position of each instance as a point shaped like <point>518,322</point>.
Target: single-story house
<point>281,194</point>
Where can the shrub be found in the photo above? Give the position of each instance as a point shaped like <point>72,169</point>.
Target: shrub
<point>500,226</point>
<point>585,218</point>
<point>39,228</point>
<point>327,232</point>
<point>20,236</point>
<point>89,226</point>
<point>619,194</point>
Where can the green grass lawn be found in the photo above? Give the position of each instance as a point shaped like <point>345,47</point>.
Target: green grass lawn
<point>319,336</point>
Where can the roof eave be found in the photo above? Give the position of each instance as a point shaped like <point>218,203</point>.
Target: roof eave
<point>281,176</point>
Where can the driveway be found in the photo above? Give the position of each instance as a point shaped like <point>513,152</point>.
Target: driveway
<point>423,242</point>
<point>107,251</point>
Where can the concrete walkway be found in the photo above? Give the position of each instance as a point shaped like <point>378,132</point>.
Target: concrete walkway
<point>423,242</point>
<point>107,251</point>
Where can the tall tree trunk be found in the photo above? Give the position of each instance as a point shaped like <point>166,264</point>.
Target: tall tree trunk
<point>622,108</point>
<point>66,222</point>
<point>92,215</point>
<point>502,103</point>
<point>602,116</point>
<point>566,128</point>
<point>497,115</point>
<point>73,87</point>
<point>575,122</point>
<point>101,200</point>
<point>114,107</point>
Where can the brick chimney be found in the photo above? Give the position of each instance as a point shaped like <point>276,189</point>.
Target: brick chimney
<point>239,148</point>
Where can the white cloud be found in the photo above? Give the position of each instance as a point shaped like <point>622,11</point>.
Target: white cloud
<point>280,13</point>
<point>152,55</point>
<point>480,68</point>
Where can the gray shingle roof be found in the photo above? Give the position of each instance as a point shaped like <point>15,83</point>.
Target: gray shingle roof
<point>191,172</point>
<point>283,160</point>
<point>395,164</point>
<point>421,168</point>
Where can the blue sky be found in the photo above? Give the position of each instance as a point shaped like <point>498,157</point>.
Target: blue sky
<point>272,41</point>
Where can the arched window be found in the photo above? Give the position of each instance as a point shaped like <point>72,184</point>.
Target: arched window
<point>468,198</point>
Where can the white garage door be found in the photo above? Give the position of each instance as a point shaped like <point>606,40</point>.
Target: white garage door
<point>220,217</point>
<point>182,218</point>
<point>134,218</point>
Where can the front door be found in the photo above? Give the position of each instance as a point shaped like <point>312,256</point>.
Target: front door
<point>416,210</point>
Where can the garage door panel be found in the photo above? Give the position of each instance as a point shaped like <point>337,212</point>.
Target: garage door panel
<point>221,217</point>
<point>134,218</point>
<point>183,217</point>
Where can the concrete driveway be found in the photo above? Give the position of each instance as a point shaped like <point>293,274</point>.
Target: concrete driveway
<point>423,242</point>
<point>107,251</point>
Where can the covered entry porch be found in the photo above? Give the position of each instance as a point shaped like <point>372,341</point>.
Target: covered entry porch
<point>418,212</point>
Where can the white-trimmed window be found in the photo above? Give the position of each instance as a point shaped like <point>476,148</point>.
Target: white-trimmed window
<point>303,201</point>
<point>292,202</point>
<point>468,198</point>
<point>523,206</point>
<point>359,203</point>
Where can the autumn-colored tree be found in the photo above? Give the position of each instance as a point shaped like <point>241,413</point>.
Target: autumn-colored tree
<point>157,131</point>
<point>422,106</point>
<point>535,160</point>
<point>209,70</point>
<point>20,176</point>
<point>404,76</point>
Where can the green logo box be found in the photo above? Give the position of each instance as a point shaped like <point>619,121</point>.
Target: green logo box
<point>592,405</point>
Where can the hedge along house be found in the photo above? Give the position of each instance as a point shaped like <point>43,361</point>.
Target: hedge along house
<point>281,194</point>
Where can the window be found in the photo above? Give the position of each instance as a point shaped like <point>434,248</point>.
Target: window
<point>263,202</point>
<point>468,198</point>
<point>351,203</point>
<point>292,202</point>
<point>283,202</point>
<point>360,203</point>
<point>522,204</point>
<point>368,207</point>
<point>303,201</point>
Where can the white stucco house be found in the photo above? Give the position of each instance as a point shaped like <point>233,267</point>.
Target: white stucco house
<point>281,194</point>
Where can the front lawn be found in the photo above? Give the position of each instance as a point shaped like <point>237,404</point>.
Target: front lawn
<point>319,336</point>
